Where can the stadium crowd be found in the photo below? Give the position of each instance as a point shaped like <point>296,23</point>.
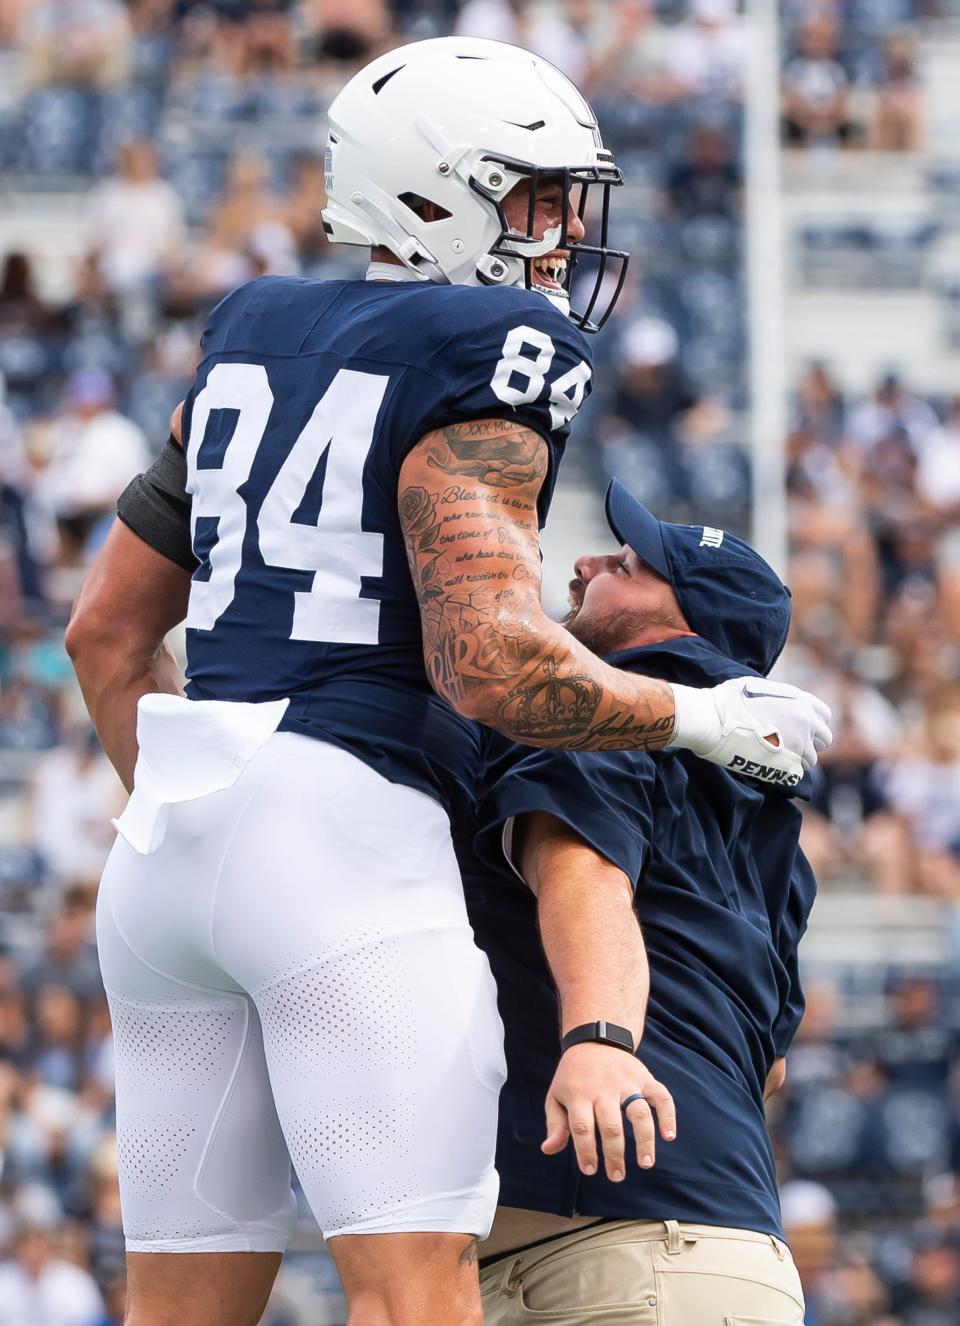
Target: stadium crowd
<point>131,114</point>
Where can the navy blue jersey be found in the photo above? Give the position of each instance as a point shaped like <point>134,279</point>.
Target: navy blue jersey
<point>309,396</point>
<point>722,892</point>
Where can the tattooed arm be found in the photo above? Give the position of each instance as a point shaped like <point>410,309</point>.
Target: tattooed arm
<point>468,506</point>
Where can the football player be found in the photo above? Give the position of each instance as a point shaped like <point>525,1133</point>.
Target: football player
<point>351,531</point>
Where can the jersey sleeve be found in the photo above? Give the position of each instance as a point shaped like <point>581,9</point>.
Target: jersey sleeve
<point>510,354</point>
<point>605,800</point>
<point>504,354</point>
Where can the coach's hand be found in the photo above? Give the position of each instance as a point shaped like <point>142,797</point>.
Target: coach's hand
<point>586,1099</point>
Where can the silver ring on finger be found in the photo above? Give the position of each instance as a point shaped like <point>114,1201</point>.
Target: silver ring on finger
<point>637,1095</point>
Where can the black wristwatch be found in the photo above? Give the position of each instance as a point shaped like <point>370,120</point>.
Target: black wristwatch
<point>607,1033</point>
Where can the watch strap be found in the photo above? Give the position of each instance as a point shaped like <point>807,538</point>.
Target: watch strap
<point>605,1033</point>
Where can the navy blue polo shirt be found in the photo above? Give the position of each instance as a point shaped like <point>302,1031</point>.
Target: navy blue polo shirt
<point>722,893</point>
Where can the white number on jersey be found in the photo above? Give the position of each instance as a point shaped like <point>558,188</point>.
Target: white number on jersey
<point>335,547</point>
<point>566,394</point>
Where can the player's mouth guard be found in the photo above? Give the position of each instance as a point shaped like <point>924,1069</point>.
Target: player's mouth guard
<point>611,264</point>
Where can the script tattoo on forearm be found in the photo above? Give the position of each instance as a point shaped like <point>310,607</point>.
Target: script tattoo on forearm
<point>471,531</point>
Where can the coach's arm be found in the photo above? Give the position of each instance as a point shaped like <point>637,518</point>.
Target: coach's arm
<point>594,946</point>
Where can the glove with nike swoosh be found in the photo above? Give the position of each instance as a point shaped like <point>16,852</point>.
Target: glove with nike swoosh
<point>762,729</point>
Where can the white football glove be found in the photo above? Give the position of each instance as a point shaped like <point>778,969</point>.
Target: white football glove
<point>729,725</point>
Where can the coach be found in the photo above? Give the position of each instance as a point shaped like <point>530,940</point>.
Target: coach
<point>722,893</point>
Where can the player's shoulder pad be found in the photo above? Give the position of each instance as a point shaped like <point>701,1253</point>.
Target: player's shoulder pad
<point>271,311</point>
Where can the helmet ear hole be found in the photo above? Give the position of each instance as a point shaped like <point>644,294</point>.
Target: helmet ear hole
<point>425,208</point>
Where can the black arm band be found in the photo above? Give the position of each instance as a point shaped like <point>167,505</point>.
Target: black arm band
<point>156,506</point>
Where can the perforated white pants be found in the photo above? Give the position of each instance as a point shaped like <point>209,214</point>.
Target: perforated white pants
<point>291,975</point>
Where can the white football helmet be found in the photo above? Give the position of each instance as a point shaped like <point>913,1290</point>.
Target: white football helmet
<point>459,122</point>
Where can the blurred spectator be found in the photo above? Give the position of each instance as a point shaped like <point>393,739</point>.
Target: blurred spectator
<point>931,1297</point>
<point>84,43</point>
<point>896,124</point>
<point>74,793</point>
<point>834,572</point>
<point>849,824</point>
<point>37,1286</point>
<point>636,435</point>
<point>28,717</point>
<point>651,392</point>
<point>629,54</point>
<point>302,208</point>
<point>915,1047</point>
<point>68,961</point>
<point>105,1244</point>
<point>809,1222</point>
<point>270,40</point>
<point>817,1056</point>
<point>13,1031</point>
<point>21,526</point>
<point>707,52</point>
<point>348,33</point>
<point>839,1287</point>
<point>942,1204</point>
<point>891,407</point>
<point>815,471</point>
<point>56,1052</point>
<point>924,787</point>
<point>21,308</point>
<point>820,407</point>
<point>246,236</point>
<point>938,472</point>
<point>137,221</point>
<point>94,453</point>
<point>544,29</point>
<point>816,87</point>
<point>708,181</point>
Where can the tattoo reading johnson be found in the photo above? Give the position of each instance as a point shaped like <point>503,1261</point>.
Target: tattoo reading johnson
<point>474,647</point>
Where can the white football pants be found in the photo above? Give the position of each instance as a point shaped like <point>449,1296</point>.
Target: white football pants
<point>291,976</point>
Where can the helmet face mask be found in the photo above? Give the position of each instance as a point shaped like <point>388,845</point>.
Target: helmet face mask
<point>527,245</point>
<point>465,123</point>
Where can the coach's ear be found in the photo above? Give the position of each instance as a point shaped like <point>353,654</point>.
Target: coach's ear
<point>175,425</point>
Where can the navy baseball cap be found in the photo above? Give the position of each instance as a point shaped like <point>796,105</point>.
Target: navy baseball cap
<point>729,595</point>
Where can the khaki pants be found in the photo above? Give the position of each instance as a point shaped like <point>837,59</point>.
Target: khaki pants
<point>646,1273</point>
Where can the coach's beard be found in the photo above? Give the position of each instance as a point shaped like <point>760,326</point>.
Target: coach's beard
<point>616,631</point>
